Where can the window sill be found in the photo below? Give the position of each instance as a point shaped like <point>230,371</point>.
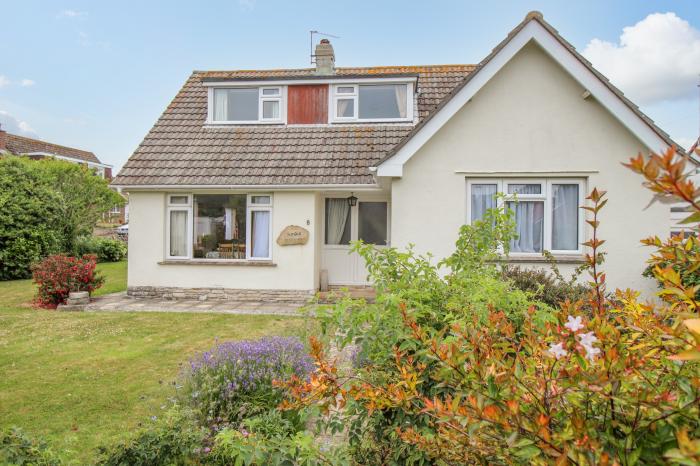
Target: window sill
<point>376,122</point>
<point>229,263</point>
<point>558,258</point>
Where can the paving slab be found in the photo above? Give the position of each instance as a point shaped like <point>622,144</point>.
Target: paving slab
<point>122,302</point>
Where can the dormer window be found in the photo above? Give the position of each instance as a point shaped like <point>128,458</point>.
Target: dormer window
<point>311,101</point>
<point>247,105</point>
<point>372,102</point>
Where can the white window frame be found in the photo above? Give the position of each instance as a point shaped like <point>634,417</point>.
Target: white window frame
<point>190,222</point>
<point>281,97</point>
<point>546,198</point>
<point>262,98</point>
<point>188,207</point>
<point>355,220</point>
<point>345,96</point>
<point>335,96</point>
<point>250,208</point>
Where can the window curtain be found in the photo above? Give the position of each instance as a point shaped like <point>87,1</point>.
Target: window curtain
<point>565,217</point>
<point>529,219</point>
<point>400,90</point>
<point>220,105</point>
<point>483,199</point>
<point>343,106</point>
<point>178,233</point>
<point>336,216</point>
<point>261,233</point>
<point>230,223</point>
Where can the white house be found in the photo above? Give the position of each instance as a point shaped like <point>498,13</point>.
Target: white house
<point>390,155</point>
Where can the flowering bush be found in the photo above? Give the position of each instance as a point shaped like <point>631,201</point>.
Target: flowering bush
<point>234,380</point>
<point>605,382</point>
<point>56,276</point>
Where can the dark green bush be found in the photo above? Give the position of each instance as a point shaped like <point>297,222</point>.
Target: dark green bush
<point>544,286</point>
<point>17,448</point>
<point>106,249</point>
<point>28,218</point>
<point>174,440</point>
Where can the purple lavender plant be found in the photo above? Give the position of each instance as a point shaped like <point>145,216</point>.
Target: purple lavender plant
<point>234,379</point>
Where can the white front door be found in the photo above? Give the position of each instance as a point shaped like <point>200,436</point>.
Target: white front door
<point>368,221</point>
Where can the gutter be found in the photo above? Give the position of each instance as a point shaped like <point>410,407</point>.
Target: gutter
<point>258,187</point>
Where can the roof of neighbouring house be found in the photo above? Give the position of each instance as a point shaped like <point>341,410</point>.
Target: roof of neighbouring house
<point>22,145</point>
<point>181,150</point>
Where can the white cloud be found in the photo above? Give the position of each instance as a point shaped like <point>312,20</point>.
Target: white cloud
<point>27,82</point>
<point>657,59</point>
<point>4,81</point>
<point>72,14</point>
<point>247,4</point>
<point>13,125</point>
<point>84,39</point>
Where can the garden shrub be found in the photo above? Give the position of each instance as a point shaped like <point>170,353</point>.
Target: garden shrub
<point>678,253</point>
<point>58,275</point>
<point>465,287</point>
<point>234,380</point>
<point>548,288</point>
<point>174,440</point>
<point>17,448</point>
<point>106,249</point>
<point>251,449</point>
<point>29,217</point>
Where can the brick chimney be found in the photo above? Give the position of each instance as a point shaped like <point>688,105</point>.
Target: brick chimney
<point>325,58</point>
<point>3,139</point>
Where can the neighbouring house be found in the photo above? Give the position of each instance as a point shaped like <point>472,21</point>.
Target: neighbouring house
<point>37,149</point>
<point>253,183</point>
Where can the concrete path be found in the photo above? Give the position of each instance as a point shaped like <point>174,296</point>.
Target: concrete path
<point>122,302</point>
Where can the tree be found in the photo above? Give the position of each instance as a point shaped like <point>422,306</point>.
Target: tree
<point>83,198</point>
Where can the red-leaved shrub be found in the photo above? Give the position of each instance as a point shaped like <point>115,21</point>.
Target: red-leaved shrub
<point>58,275</point>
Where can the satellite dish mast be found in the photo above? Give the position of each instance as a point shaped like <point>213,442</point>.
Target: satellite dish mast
<point>312,56</point>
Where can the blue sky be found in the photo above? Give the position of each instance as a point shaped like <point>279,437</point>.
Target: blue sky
<point>96,75</point>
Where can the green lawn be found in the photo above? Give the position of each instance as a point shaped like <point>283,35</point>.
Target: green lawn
<point>86,379</point>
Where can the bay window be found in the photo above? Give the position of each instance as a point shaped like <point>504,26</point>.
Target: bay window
<point>246,105</point>
<point>546,212</point>
<point>372,102</point>
<point>219,227</point>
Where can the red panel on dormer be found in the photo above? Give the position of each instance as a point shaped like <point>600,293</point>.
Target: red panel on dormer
<point>307,104</point>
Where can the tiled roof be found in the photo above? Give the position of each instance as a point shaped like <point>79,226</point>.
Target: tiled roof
<point>180,150</point>
<point>22,145</point>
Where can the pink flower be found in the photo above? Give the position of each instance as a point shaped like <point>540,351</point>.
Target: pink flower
<point>587,340</point>
<point>557,350</point>
<point>574,323</point>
